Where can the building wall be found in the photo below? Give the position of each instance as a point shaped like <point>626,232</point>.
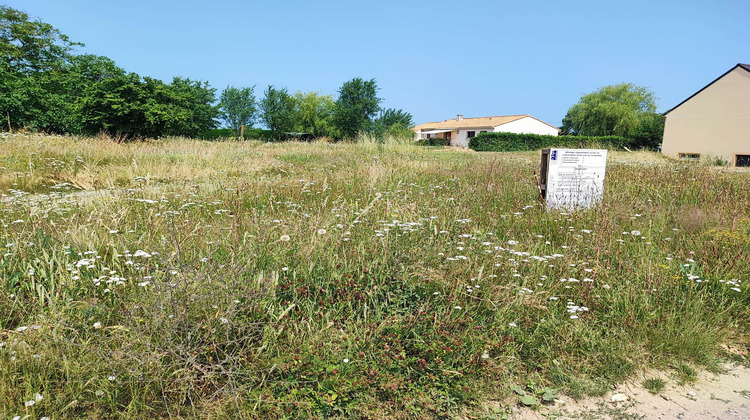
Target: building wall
<point>713,123</point>
<point>527,125</point>
<point>460,137</point>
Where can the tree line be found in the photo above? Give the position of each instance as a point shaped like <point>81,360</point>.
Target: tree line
<point>312,114</point>
<point>45,87</point>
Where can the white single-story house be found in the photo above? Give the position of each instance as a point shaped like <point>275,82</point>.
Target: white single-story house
<point>714,122</point>
<point>459,130</point>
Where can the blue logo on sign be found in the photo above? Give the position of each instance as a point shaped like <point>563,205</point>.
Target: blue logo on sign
<point>554,155</point>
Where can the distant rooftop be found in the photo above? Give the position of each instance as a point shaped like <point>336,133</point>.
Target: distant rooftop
<point>476,122</point>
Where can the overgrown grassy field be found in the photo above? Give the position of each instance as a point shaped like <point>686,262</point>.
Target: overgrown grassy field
<point>191,279</point>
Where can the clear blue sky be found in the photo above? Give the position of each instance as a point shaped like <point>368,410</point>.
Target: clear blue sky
<point>434,59</point>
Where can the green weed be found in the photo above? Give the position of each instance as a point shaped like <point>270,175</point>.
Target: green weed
<point>654,385</point>
<point>686,374</point>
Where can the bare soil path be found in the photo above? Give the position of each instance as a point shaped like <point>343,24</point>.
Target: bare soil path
<point>725,396</point>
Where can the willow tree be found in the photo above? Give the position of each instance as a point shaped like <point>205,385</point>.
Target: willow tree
<point>616,110</point>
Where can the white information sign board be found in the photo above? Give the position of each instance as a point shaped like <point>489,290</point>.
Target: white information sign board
<point>575,177</point>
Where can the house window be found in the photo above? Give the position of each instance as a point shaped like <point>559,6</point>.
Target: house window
<point>482,131</point>
<point>428,136</point>
<point>689,156</point>
<point>470,134</point>
<point>742,161</point>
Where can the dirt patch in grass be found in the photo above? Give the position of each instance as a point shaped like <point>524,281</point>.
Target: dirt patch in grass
<point>712,396</point>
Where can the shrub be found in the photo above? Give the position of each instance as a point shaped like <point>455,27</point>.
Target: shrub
<point>259,134</point>
<point>228,133</point>
<point>514,142</point>
<point>399,131</point>
<point>433,141</point>
<point>216,133</point>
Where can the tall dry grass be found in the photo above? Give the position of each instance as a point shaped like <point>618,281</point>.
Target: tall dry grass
<point>183,278</point>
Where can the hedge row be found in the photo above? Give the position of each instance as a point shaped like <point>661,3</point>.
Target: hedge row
<point>433,141</point>
<point>514,142</point>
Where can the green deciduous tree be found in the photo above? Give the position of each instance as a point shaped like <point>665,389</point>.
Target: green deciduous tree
<point>356,106</point>
<point>114,105</point>
<point>86,69</point>
<point>52,97</point>
<point>649,133</point>
<point>129,106</point>
<point>391,116</point>
<point>48,102</point>
<point>30,52</point>
<point>79,73</point>
<point>188,107</point>
<point>28,46</point>
<point>278,111</point>
<point>238,108</point>
<point>616,110</point>
<point>314,113</point>
<point>394,122</point>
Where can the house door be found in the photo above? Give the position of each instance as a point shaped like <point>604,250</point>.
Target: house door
<point>447,137</point>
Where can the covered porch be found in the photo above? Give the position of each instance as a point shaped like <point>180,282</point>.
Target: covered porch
<point>443,134</point>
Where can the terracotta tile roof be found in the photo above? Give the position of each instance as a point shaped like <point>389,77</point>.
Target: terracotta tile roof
<point>480,122</point>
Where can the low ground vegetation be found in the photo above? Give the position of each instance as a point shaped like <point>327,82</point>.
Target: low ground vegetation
<point>433,141</point>
<point>193,279</point>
